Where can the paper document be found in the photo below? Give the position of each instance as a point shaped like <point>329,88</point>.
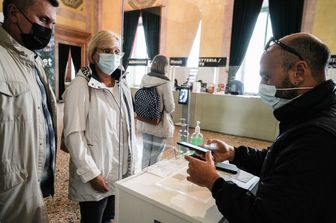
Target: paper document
<point>166,167</point>
<point>178,182</point>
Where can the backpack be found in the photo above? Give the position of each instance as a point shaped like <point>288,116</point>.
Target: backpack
<point>147,103</point>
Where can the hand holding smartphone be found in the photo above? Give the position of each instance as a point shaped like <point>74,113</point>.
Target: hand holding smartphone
<point>229,168</point>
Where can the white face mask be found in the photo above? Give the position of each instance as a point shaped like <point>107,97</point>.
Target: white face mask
<point>108,63</point>
<point>267,94</point>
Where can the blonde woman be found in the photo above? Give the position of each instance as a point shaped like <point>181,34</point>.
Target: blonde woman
<point>99,129</point>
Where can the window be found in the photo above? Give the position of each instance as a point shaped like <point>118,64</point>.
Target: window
<point>193,58</point>
<point>70,71</point>
<point>139,50</point>
<point>248,72</point>
<point>195,49</point>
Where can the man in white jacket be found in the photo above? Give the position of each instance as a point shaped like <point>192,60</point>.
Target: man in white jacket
<point>27,111</point>
<point>155,136</point>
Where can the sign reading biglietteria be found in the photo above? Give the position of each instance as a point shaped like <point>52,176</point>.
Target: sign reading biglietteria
<point>178,61</point>
<point>212,62</point>
<point>137,62</point>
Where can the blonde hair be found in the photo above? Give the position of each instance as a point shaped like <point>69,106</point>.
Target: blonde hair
<point>97,39</point>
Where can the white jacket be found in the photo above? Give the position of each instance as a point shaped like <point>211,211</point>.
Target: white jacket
<point>91,133</point>
<point>166,126</point>
<point>22,132</point>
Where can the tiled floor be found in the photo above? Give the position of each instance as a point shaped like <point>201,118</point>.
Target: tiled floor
<point>61,209</point>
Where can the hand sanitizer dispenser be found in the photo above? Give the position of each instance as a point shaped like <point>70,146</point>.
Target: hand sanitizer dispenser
<point>197,137</point>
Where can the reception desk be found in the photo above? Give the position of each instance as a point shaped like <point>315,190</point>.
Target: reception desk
<point>236,115</point>
<point>239,115</point>
<point>162,194</point>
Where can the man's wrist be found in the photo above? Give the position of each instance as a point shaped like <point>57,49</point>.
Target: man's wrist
<point>232,153</point>
<point>212,180</point>
<point>218,184</point>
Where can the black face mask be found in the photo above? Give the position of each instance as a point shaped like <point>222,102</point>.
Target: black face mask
<point>38,38</point>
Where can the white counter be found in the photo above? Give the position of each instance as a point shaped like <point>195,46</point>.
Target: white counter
<point>162,194</point>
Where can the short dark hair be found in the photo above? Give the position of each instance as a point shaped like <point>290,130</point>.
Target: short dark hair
<point>22,4</point>
<point>313,51</point>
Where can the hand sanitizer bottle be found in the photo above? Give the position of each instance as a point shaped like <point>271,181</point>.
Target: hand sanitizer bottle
<point>183,136</point>
<point>183,133</point>
<point>197,137</point>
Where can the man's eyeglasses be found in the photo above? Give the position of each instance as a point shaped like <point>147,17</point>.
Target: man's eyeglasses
<point>111,51</point>
<point>283,46</point>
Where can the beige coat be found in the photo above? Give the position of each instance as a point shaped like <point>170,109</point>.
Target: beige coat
<point>22,133</point>
<point>93,123</point>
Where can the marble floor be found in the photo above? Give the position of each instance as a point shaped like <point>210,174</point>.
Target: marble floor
<point>61,209</point>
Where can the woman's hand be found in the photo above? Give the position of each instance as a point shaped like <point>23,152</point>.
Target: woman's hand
<point>99,184</point>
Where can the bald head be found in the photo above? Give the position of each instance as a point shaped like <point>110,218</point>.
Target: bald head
<point>295,61</point>
<point>313,51</point>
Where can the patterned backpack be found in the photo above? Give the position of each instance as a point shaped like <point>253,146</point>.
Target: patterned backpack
<point>147,105</point>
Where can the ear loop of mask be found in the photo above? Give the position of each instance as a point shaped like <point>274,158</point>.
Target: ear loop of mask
<point>24,17</point>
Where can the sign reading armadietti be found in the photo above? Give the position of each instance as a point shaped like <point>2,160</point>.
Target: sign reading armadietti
<point>212,62</point>
<point>137,62</point>
<point>178,61</point>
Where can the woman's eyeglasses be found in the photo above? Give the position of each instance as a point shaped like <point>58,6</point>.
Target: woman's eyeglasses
<point>111,51</point>
<point>283,46</point>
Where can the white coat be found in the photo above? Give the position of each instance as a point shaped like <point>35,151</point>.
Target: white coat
<point>166,126</point>
<point>22,132</point>
<point>93,122</point>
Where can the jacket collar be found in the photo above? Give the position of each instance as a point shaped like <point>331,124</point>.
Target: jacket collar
<point>151,81</point>
<point>89,73</point>
<point>309,105</point>
<point>8,42</point>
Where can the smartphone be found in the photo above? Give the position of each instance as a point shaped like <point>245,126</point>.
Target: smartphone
<point>227,167</point>
<point>193,147</point>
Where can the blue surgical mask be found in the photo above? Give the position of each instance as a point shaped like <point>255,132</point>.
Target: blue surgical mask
<point>108,63</point>
<point>267,95</point>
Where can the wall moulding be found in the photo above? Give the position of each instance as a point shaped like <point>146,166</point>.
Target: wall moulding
<point>69,36</point>
<point>73,3</point>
